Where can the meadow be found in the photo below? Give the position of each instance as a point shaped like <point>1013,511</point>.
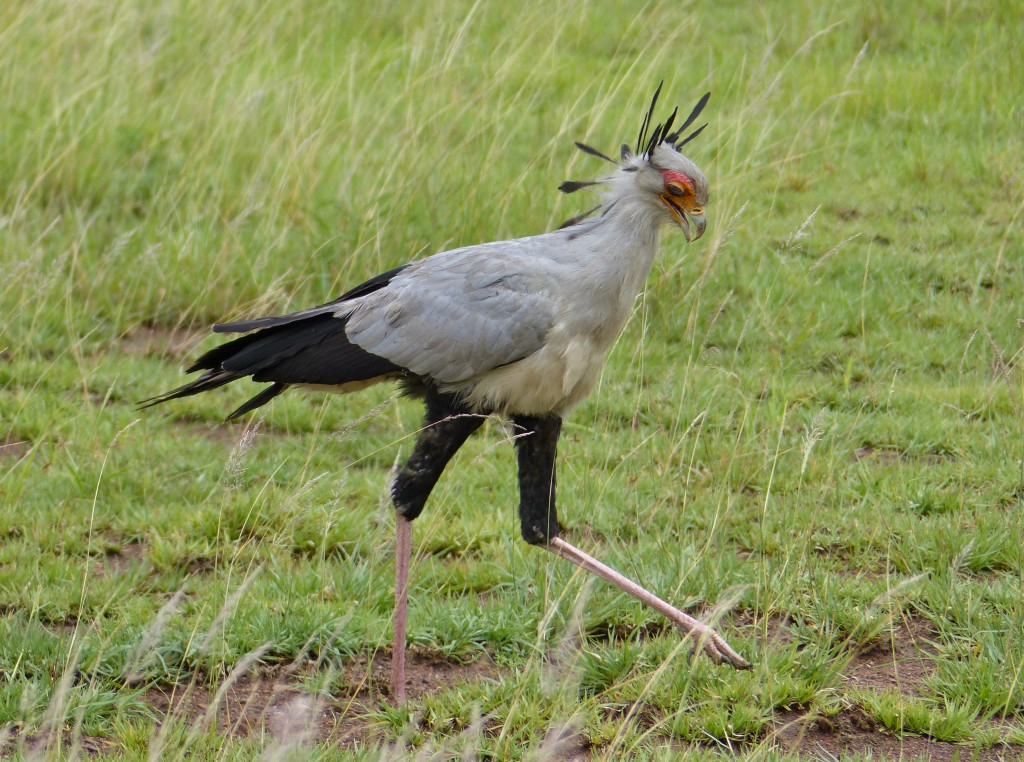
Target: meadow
<point>811,431</point>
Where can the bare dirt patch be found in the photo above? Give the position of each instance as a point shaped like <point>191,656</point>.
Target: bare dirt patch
<point>56,744</point>
<point>892,455</point>
<point>424,672</point>
<point>270,701</point>
<point>853,732</point>
<point>902,661</point>
<point>274,702</point>
<point>161,341</point>
<point>66,626</point>
<point>120,559</point>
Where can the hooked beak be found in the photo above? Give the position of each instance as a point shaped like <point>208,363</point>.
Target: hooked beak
<point>700,222</point>
<point>683,219</point>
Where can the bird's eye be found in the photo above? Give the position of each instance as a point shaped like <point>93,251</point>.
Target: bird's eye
<point>675,190</point>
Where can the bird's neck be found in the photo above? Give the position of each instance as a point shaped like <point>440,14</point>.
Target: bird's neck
<point>616,259</point>
<point>632,235</point>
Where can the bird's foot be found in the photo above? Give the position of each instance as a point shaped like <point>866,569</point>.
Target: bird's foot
<point>704,637</point>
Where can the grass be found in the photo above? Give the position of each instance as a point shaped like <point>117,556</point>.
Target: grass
<point>815,417</point>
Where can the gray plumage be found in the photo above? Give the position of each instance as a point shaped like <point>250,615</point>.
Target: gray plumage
<point>523,326</point>
<point>513,327</point>
<point>459,314</point>
<point>519,328</point>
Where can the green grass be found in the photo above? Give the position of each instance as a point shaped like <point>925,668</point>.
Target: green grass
<point>815,418</point>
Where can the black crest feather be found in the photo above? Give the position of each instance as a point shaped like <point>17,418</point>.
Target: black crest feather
<point>690,120</point>
<point>662,132</point>
<point>647,139</point>
<point>571,186</point>
<point>594,152</point>
<point>690,137</point>
<point>578,218</point>
<point>642,137</point>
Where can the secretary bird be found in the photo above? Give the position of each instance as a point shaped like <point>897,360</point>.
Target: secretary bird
<point>518,329</point>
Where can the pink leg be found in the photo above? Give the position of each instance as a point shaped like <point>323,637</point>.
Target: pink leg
<point>704,637</point>
<point>403,549</point>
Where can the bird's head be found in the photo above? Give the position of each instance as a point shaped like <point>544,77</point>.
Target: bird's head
<point>676,186</point>
<point>656,174</point>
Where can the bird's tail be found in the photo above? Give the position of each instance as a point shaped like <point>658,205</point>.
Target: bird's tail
<point>211,380</point>
<point>311,350</point>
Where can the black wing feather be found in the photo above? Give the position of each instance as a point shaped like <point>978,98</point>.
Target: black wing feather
<point>316,351</point>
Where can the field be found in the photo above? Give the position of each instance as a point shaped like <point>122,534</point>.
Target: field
<point>811,431</point>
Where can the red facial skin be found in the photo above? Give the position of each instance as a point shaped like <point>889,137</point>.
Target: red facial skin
<point>671,175</point>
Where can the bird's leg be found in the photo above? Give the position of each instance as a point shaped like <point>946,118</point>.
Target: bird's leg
<point>704,636</point>
<point>536,442</point>
<point>403,550</point>
<point>446,427</point>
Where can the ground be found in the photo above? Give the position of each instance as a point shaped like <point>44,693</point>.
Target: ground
<point>811,431</point>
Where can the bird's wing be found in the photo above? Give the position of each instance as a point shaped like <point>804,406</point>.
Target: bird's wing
<point>457,314</point>
<point>242,326</point>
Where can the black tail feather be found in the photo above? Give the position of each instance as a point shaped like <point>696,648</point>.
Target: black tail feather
<point>259,400</point>
<point>210,380</point>
<point>214,358</point>
<point>314,351</point>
